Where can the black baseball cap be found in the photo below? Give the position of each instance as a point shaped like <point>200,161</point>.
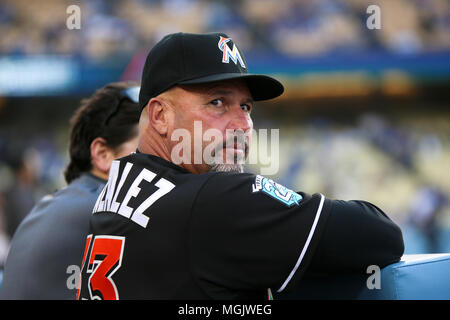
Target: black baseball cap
<point>187,58</point>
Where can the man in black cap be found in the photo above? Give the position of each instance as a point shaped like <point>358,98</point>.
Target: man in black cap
<point>187,223</point>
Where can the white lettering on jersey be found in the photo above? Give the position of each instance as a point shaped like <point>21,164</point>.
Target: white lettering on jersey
<point>134,190</point>
<point>107,200</point>
<point>165,187</point>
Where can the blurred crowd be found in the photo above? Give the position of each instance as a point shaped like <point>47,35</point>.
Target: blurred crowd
<point>378,158</point>
<point>293,27</point>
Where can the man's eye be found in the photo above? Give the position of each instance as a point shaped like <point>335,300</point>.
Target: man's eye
<point>217,102</point>
<point>246,107</point>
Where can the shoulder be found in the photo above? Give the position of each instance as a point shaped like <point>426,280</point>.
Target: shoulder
<point>247,188</point>
<point>78,195</point>
<point>71,204</point>
<point>234,200</point>
<point>59,215</point>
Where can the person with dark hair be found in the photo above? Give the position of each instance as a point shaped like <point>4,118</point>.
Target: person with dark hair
<point>47,247</point>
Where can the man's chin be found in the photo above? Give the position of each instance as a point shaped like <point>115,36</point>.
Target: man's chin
<point>236,168</point>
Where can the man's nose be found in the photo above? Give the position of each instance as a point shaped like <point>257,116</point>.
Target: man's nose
<point>240,120</point>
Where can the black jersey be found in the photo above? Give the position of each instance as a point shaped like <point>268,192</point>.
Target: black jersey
<point>160,232</point>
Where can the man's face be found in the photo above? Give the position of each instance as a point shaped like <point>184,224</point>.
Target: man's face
<point>217,117</point>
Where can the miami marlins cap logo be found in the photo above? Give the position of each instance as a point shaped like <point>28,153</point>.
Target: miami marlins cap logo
<point>230,53</point>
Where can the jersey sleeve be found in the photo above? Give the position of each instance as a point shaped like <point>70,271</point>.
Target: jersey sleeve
<point>357,234</point>
<point>248,232</point>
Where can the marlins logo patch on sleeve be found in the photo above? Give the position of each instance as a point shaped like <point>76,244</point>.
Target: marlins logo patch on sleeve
<point>276,191</point>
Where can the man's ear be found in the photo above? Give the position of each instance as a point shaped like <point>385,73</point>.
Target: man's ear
<point>159,115</point>
<point>101,157</point>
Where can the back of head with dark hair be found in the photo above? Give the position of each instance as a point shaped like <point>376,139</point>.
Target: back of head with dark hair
<point>96,117</point>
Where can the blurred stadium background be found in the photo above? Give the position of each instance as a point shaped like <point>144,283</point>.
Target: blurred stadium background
<point>365,115</point>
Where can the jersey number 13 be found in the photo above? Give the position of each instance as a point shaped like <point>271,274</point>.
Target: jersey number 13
<point>102,258</point>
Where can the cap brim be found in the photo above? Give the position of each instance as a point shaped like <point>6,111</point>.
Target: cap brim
<point>261,87</point>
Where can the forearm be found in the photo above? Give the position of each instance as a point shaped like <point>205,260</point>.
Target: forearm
<point>357,234</point>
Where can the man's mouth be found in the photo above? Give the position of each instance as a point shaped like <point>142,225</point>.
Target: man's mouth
<point>238,151</point>
<point>236,148</point>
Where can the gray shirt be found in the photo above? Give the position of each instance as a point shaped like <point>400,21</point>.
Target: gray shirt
<point>48,246</point>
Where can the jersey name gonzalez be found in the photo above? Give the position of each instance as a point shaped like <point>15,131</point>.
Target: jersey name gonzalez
<point>108,198</point>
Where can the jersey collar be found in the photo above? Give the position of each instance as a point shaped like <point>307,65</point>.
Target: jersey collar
<point>163,161</point>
